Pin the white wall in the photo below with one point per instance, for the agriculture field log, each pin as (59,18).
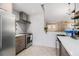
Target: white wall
(6,6)
(20,28)
(39,36)
(16,13)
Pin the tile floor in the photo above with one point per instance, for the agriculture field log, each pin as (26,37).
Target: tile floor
(38,51)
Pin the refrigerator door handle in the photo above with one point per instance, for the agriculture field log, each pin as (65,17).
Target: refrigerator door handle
(0,32)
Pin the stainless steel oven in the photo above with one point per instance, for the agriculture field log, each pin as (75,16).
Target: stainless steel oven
(29,39)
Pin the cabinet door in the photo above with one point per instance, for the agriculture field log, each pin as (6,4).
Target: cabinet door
(58,47)
(63,51)
(20,43)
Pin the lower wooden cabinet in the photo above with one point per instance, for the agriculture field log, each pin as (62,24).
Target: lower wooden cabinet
(63,51)
(60,51)
(20,43)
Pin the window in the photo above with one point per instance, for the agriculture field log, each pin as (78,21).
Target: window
(52,27)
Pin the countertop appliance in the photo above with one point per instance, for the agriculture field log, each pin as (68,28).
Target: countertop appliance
(70,32)
(7,33)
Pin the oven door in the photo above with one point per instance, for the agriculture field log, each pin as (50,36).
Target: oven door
(28,40)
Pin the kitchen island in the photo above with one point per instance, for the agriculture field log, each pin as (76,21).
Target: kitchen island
(70,44)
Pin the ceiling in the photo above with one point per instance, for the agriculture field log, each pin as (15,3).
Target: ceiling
(29,8)
(57,12)
(53,11)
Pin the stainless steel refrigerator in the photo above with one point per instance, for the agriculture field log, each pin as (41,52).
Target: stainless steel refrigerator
(7,33)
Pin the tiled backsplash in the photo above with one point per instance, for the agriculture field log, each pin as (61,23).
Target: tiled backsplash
(20,28)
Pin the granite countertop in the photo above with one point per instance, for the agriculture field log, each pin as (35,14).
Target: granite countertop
(70,44)
(19,35)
